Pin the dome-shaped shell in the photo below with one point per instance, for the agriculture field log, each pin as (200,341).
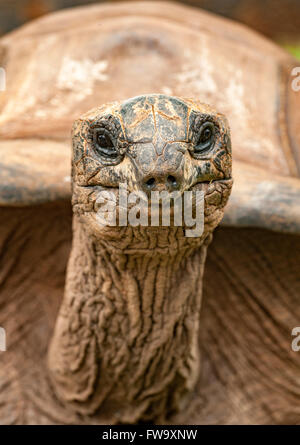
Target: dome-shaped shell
(64,64)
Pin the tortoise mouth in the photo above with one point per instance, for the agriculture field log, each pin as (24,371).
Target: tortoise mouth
(94,194)
(117,207)
(100,187)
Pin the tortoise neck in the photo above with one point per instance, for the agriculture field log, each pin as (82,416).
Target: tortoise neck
(125,346)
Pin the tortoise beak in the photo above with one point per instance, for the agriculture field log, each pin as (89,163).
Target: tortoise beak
(160,172)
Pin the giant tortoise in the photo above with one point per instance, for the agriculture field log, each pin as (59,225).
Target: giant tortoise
(122,344)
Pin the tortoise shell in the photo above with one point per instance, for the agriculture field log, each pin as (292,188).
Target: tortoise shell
(66,63)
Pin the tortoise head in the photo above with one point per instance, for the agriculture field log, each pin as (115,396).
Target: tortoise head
(152,143)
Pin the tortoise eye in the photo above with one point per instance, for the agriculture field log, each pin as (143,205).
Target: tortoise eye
(205,137)
(104,144)
(104,141)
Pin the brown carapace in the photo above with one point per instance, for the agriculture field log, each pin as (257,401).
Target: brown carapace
(126,340)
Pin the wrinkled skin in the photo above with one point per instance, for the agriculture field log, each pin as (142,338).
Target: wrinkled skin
(125,346)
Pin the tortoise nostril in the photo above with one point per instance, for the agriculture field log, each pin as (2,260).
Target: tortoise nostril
(150,183)
(172,181)
(161,182)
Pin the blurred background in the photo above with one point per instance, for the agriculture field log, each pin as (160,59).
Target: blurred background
(277,19)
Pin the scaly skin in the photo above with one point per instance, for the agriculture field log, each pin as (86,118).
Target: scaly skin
(125,347)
